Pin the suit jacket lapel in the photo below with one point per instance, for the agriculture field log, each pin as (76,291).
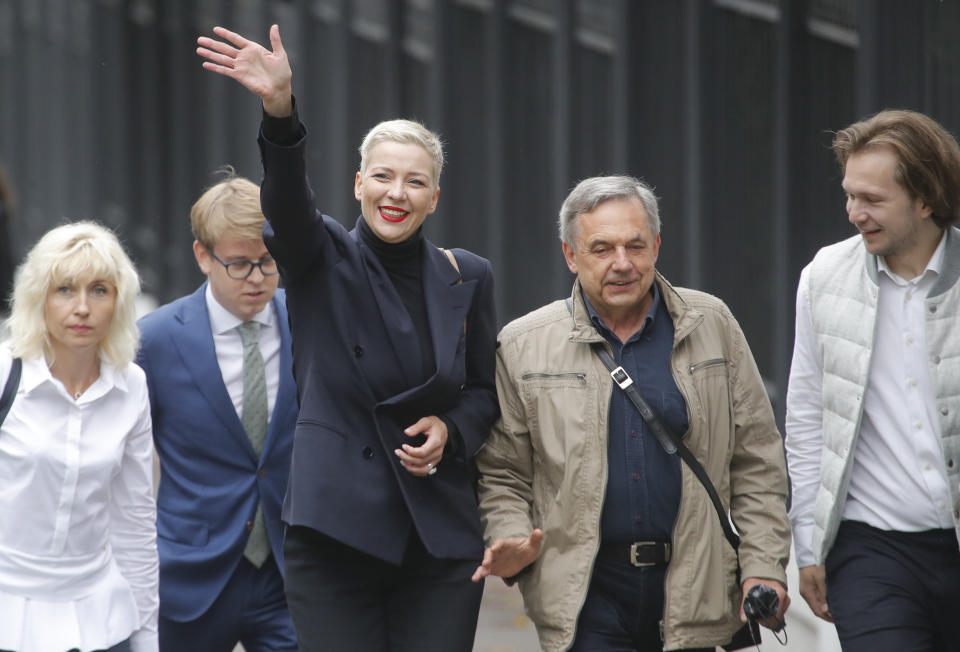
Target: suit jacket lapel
(448,302)
(194,343)
(393,315)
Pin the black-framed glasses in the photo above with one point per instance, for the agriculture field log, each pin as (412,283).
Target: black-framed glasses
(241,269)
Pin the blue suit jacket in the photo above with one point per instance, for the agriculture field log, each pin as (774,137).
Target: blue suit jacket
(211,479)
(355,352)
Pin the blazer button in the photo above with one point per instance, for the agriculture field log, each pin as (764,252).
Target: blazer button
(249,525)
(358,351)
(261,473)
(367,452)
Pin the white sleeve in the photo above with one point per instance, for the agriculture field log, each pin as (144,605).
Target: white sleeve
(804,419)
(133,526)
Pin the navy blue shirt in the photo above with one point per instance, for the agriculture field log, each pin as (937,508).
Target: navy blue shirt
(643,481)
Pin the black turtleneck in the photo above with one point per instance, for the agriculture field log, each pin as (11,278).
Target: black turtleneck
(403,262)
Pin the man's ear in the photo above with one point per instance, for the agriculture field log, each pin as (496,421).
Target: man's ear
(203,257)
(568,256)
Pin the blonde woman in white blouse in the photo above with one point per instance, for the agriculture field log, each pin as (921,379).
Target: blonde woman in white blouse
(78,554)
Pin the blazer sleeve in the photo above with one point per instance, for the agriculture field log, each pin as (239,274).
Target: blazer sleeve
(477,408)
(295,231)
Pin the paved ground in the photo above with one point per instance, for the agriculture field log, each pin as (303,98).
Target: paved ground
(503,627)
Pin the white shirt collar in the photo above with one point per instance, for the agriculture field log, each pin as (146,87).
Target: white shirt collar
(36,372)
(222,320)
(935,264)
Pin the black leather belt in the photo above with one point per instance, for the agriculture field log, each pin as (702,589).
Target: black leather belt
(639,553)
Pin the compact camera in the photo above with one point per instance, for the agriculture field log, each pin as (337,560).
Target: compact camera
(761,603)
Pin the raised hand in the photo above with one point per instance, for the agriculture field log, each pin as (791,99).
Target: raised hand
(264,73)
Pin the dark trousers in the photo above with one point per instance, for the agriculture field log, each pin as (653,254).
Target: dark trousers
(343,599)
(251,610)
(894,591)
(623,609)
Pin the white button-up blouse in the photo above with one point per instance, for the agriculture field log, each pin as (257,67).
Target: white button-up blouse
(78,548)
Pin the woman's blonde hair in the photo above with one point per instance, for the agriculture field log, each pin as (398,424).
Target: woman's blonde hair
(408,132)
(69,254)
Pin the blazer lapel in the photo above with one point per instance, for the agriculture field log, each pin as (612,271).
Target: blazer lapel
(448,298)
(194,343)
(393,314)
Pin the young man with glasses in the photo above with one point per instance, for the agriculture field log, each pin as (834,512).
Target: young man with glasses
(218,365)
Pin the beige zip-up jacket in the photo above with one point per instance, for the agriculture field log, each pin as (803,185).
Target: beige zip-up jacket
(545,465)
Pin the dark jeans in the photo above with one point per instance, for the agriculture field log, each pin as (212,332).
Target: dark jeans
(894,591)
(343,599)
(623,610)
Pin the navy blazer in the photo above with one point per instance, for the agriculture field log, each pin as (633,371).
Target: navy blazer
(354,354)
(211,480)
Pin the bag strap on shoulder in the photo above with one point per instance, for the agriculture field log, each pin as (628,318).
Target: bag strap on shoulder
(10,389)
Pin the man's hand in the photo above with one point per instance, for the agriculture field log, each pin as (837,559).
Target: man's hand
(507,557)
(776,622)
(420,460)
(264,73)
(813,588)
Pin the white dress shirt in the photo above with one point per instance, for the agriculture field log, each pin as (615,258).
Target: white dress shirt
(78,553)
(229,347)
(897,481)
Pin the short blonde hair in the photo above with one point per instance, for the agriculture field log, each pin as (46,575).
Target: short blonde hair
(230,206)
(66,255)
(407,132)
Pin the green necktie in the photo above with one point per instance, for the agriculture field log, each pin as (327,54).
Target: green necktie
(254,421)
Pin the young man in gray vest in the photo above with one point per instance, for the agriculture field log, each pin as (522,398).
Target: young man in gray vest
(873,405)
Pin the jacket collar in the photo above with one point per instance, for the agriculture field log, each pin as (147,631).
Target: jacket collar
(949,273)
(685,319)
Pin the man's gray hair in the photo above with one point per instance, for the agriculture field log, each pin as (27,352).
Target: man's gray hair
(591,192)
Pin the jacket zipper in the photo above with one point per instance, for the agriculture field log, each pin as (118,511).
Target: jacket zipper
(578,376)
(716,362)
(673,532)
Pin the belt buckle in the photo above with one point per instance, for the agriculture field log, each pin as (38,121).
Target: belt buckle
(640,564)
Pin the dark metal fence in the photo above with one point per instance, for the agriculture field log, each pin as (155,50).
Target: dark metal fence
(726,106)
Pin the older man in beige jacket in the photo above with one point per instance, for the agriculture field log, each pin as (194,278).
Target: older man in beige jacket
(614,541)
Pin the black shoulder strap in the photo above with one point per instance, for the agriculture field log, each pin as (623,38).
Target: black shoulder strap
(667,438)
(10,389)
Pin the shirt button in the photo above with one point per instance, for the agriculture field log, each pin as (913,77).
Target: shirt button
(918,425)
(358,351)
(636,476)
(633,433)
(261,473)
(638,519)
(926,467)
(367,452)
(909,339)
(249,525)
(913,382)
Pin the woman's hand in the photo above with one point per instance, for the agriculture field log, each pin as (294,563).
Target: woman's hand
(423,460)
(264,73)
